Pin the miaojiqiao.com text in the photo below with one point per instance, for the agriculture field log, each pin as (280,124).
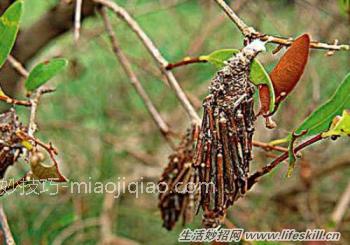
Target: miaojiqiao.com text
(118,187)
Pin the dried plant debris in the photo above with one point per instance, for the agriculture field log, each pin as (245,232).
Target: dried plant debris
(223,152)
(179,190)
(10,144)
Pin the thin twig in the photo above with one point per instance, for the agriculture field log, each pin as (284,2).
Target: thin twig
(154,51)
(269,147)
(34,102)
(185,61)
(24,73)
(5,227)
(243,27)
(12,101)
(18,66)
(48,147)
(106,218)
(124,61)
(342,206)
(77,20)
(250,32)
(268,168)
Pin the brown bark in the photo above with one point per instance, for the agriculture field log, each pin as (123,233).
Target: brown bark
(31,40)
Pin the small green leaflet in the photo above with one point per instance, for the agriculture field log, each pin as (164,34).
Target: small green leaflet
(258,74)
(218,57)
(340,126)
(43,72)
(9,25)
(321,118)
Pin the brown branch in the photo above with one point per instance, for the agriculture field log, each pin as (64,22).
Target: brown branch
(269,147)
(126,65)
(5,227)
(34,101)
(254,178)
(342,206)
(250,32)
(48,147)
(77,19)
(18,66)
(154,51)
(185,61)
(106,218)
(243,27)
(12,101)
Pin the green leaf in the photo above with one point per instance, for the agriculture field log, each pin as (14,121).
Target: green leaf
(258,74)
(321,118)
(218,57)
(9,25)
(43,72)
(340,126)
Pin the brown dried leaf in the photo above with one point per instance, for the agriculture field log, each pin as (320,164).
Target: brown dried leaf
(43,172)
(264,97)
(289,69)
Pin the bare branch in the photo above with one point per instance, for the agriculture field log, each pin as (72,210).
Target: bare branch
(342,206)
(18,66)
(250,32)
(243,27)
(34,103)
(77,19)
(269,147)
(24,73)
(153,50)
(12,101)
(185,61)
(124,61)
(5,227)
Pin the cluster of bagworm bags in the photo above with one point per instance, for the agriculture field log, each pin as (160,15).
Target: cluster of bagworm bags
(222,154)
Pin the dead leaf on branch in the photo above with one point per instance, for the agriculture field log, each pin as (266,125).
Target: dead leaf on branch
(45,172)
(290,68)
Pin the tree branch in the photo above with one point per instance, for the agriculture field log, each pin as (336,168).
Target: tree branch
(18,66)
(342,206)
(5,227)
(250,32)
(126,65)
(77,19)
(154,51)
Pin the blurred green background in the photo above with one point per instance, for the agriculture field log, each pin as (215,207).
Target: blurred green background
(102,129)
